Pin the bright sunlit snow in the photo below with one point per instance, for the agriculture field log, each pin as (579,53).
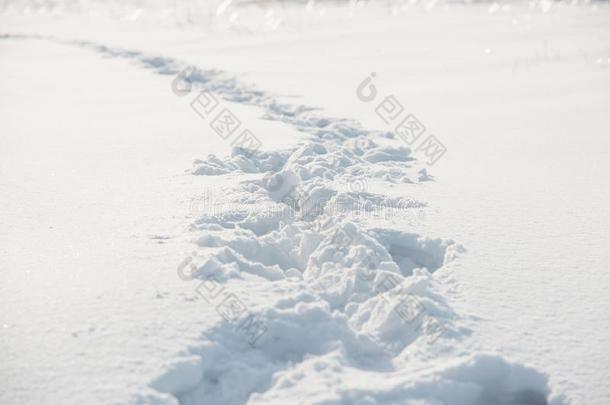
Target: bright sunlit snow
(316,202)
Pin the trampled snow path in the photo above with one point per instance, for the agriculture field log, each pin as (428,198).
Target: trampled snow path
(342,298)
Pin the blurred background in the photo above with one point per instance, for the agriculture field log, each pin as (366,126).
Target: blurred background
(264,15)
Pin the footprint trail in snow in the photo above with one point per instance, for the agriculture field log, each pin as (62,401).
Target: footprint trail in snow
(350,301)
(348,311)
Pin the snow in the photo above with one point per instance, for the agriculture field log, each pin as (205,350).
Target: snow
(152,254)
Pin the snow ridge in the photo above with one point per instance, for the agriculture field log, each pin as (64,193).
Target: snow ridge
(353,299)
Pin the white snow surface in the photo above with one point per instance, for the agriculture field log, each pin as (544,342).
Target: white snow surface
(144,259)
